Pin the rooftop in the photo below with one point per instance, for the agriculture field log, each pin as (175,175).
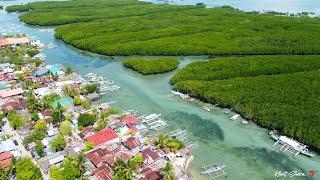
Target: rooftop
(11,92)
(14,41)
(102,137)
(103,173)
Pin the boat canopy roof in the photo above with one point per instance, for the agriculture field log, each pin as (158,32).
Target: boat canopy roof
(290,141)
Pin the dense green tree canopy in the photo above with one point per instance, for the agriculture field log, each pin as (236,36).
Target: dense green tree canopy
(26,170)
(86,120)
(169,144)
(278,92)
(69,169)
(151,66)
(65,128)
(15,119)
(90,88)
(130,27)
(58,143)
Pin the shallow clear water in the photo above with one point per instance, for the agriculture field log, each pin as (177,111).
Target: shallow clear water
(246,150)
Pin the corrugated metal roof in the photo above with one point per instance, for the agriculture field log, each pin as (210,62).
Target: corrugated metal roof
(102,136)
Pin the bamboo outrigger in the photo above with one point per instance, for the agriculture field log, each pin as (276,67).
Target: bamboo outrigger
(213,170)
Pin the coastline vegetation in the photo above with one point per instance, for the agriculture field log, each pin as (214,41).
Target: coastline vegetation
(17,8)
(151,66)
(278,92)
(130,27)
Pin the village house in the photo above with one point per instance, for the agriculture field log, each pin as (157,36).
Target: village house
(108,155)
(151,155)
(133,144)
(15,103)
(149,173)
(107,135)
(11,93)
(103,172)
(5,159)
(14,41)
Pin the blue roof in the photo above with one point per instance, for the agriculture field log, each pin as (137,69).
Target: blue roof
(41,72)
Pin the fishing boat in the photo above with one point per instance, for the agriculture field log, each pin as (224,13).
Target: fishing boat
(90,75)
(213,170)
(150,117)
(291,146)
(244,122)
(181,95)
(235,117)
(206,108)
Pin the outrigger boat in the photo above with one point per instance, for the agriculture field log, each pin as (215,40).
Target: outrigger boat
(289,145)
(213,170)
(206,108)
(181,95)
(235,117)
(150,117)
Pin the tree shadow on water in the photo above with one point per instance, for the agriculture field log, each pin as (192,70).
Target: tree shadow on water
(203,129)
(261,158)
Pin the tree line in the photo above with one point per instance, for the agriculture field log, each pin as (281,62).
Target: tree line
(151,66)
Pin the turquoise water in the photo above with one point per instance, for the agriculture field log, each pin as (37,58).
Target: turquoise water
(292,6)
(246,150)
(65,101)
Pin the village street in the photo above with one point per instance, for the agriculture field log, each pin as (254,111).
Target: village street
(7,129)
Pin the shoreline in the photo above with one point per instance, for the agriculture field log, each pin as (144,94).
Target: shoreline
(241,113)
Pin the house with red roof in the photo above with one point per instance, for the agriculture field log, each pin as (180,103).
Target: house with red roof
(131,120)
(85,132)
(17,104)
(151,155)
(150,174)
(126,126)
(103,172)
(133,144)
(5,159)
(107,135)
(3,77)
(108,155)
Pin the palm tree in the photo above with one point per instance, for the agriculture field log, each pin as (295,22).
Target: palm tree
(122,170)
(167,173)
(81,164)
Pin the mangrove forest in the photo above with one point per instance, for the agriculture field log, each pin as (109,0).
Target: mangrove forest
(279,92)
(151,66)
(130,27)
